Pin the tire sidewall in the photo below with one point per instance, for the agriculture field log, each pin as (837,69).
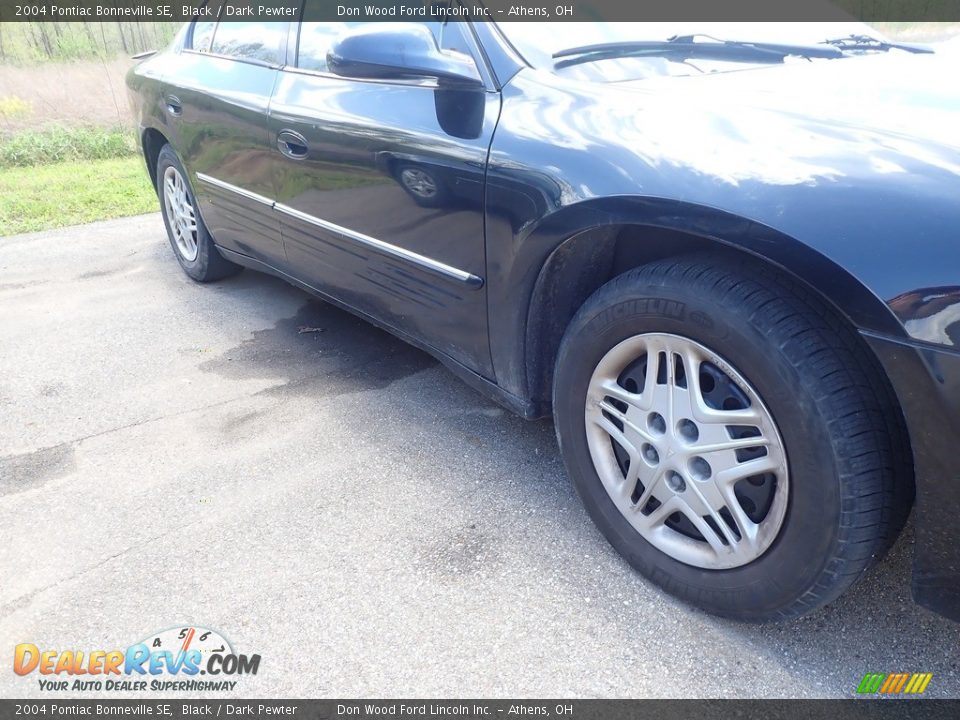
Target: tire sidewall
(795,560)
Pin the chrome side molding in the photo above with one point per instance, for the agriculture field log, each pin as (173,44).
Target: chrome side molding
(436,267)
(234,189)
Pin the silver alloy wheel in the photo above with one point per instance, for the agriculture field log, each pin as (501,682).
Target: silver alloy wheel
(682,443)
(180,213)
(418,182)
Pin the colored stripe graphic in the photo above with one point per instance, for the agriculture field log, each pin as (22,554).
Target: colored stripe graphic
(870,683)
(894,683)
(889,682)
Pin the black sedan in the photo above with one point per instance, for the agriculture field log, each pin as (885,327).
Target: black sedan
(729,267)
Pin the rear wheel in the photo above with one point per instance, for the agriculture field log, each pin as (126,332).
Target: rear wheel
(189,238)
(730,436)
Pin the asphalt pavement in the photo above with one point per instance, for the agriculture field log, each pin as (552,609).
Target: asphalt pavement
(242,457)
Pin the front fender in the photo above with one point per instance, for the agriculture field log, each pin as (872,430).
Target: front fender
(862,212)
(513,276)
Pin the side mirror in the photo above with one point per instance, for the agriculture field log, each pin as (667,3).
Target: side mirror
(399,51)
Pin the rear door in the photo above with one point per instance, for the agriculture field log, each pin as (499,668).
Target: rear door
(224,80)
(380,192)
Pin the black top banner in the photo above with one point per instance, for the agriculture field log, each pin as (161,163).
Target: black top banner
(498,10)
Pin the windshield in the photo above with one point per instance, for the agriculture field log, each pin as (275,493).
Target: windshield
(539,42)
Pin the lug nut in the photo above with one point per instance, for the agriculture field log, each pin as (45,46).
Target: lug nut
(700,469)
(656,423)
(688,430)
(650,454)
(676,482)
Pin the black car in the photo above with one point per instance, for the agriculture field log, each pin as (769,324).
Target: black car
(729,268)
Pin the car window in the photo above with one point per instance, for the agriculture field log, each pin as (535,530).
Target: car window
(202,32)
(451,36)
(316,38)
(248,40)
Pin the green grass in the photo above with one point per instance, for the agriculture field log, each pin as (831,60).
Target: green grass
(50,196)
(56,176)
(57,144)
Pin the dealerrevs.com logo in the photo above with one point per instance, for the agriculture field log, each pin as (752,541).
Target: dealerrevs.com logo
(189,659)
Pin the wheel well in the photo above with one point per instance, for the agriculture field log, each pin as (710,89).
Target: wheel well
(584,263)
(153,141)
(587,261)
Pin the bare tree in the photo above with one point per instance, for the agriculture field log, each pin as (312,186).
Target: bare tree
(123,38)
(45,39)
(93,41)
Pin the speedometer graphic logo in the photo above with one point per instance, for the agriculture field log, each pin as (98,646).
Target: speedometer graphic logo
(184,639)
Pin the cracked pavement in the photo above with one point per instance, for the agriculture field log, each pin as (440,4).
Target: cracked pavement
(337,502)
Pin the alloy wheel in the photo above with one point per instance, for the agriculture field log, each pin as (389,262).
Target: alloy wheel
(181,215)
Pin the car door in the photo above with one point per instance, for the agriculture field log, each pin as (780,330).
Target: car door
(380,192)
(218,108)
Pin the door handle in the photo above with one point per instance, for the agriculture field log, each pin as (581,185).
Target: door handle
(292,144)
(174,106)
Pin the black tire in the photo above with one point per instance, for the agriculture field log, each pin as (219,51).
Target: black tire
(209,265)
(850,470)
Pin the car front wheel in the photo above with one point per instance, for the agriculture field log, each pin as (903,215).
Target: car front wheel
(731,437)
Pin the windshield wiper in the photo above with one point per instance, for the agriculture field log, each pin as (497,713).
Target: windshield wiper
(855,43)
(685,47)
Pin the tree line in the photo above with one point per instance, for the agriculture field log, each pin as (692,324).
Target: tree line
(30,42)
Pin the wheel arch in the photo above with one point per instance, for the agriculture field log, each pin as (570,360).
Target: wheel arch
(152,141)
(590,256)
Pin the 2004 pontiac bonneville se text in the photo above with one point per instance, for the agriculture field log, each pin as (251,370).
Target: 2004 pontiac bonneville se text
(728,268)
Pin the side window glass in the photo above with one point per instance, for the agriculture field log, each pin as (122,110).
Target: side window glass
(451,37)
(248,40)
(316,39)
(203,29)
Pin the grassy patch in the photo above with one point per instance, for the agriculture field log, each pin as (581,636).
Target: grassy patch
(50,196)
(61,144)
